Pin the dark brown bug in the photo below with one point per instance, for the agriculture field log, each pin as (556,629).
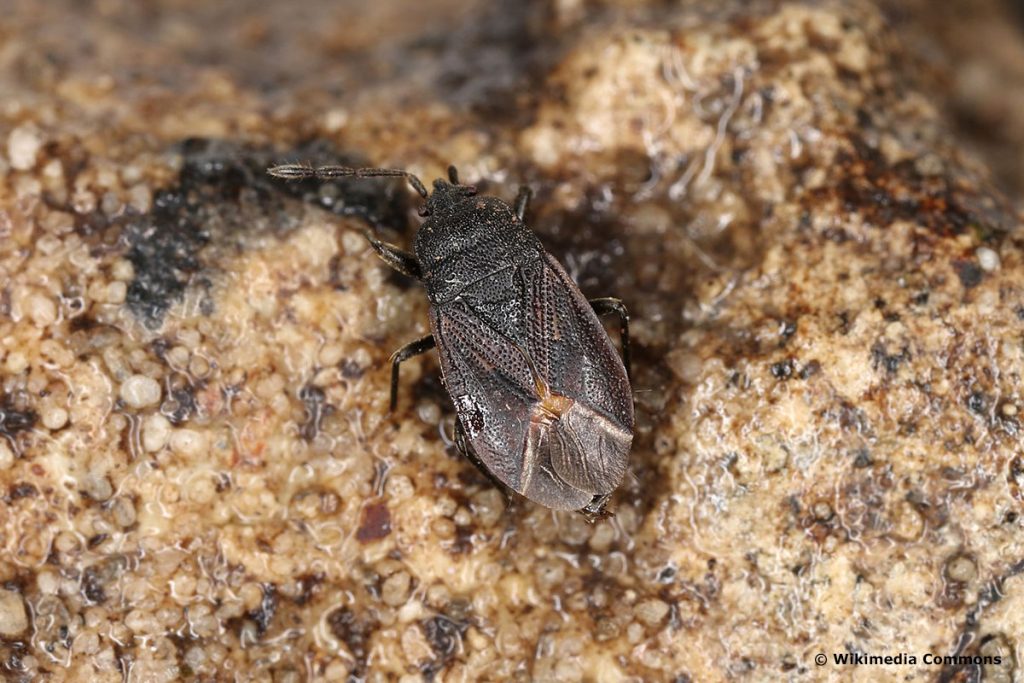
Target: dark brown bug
(543,400)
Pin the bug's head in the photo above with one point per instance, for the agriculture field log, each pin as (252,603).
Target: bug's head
(447,193)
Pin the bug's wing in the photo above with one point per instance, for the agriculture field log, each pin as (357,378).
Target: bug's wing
(495,397)
(589,451)
(589,444)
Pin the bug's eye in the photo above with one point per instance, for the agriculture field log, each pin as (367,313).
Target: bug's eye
(470,190)
(423,211)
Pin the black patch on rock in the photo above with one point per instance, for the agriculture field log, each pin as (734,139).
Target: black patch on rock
(355,632)
(14,418)
(263,614)
(445,636)
(223,193)
(970,273)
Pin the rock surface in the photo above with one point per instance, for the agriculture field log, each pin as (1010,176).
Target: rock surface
(200,477)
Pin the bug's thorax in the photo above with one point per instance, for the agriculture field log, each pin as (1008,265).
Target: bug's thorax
(467,237)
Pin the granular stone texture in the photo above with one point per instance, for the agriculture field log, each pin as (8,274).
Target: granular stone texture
(200,478)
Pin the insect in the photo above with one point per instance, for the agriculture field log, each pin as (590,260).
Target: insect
(543,400)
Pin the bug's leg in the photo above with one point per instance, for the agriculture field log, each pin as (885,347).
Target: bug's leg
(608,305)
(397,258)
(463,446)
(595,510)
(523,201)
(303,171)
(453,175)
(403,354)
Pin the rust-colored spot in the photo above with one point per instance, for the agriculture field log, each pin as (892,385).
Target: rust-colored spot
(376,523)
(551,408)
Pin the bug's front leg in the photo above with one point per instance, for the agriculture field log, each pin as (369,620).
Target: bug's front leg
(397,258)
(606,305)
(403,354)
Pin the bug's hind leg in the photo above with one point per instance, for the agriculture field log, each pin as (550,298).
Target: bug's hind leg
(403,354)
(463,446)
(595,510)
(523,201)
(607,305)
(399,259)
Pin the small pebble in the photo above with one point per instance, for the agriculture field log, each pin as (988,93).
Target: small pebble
(961,569)
(13,619)
(331,354)
(822,511)
(395,590)
(156,431)
(97,487)
(198,366)
(42,310)
(140,198)
(23,147)
(122,270)
(188,442)
(54,418)
(110,204)
(651,611)
(6,456)
(399,487)
(17,362)
(429,412)
(988,259)
(139,391)
(116,292)
(122,510)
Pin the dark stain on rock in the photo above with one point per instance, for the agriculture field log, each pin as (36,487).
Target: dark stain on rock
(463,541)
(445,637)
(308,585)
(883,193)
(180,405)
(890,362)
(977,403)
(263,614)
(96,578)
(20,490)
(810,369)
(783,369)
(355,632)
(92,586)
(492,57)
(15,418)
(1015,478)
(222,194)
(969,272)
(375,524)
(163,247)
(351,370)
(314,400)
